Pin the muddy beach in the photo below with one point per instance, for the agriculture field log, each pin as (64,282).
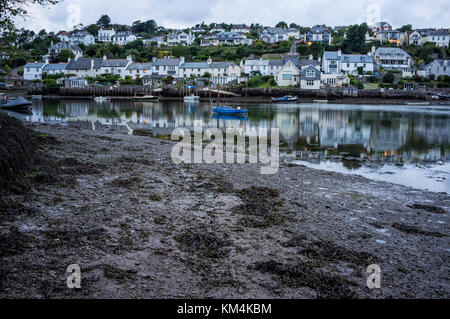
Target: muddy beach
(141,226)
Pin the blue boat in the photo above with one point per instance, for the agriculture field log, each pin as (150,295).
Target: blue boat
(285,99)
(239,117)
(226,110)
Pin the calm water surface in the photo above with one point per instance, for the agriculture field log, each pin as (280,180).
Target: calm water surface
(400,144)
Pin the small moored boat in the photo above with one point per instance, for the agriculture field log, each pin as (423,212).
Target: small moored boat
(227,110)
(101,99)
(19,103)
(192,98)
(285,99)
(146,98)
(417,103)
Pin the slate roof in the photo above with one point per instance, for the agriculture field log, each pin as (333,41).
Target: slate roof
(84,64)
(222,65)
(139,66)
(194,65)
(55,66)
(319,29)
(391,52)
(114,63)
(166,62)
(34,65)
(65,45)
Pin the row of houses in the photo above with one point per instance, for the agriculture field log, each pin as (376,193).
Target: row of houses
(104,35)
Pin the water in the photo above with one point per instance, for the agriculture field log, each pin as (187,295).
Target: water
(407,145)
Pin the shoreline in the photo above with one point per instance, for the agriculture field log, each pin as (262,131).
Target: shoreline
(258,100)
(141,226)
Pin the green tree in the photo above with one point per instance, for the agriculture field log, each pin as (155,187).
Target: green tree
(282,25)
(104,21)
(406,27)
(65,54)
(11,9)
(355,42)
(388,77)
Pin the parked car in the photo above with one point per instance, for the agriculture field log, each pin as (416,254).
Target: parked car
(3,84)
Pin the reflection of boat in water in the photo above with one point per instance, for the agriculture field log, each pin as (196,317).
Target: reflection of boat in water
(101,99)
(229,117)
(146,98)
(16,104)
(417,103)
(192,98)
(227,110)
(285,99)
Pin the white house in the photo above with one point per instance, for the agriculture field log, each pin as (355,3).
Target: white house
(414,37)
(82,37)
(215,69)
(254,65)
(83,67)
(197,30)
(63,36)
(440,37)
(391,58)
(273,35)
(166,66)
(138,70)
(334,62)
(176,38)
(123,37)
(33,71)
(302,73)
(380,26)
(225,38)
(240,28)
(310,75)
(293,33)
(105,35)
(437,68)
(55,68)
(55,49)
(158,40)
(115,66)
(217,28)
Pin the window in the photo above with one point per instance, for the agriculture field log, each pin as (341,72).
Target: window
(310,73)
(348,65)
(309,82)
(287,76)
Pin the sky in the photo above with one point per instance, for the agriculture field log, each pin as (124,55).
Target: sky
(187,13)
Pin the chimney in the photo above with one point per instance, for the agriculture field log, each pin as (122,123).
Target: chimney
(104,57)
(130,58)
(68,60)
(339,53)
(310,56)
(182,60)
(154,59)
(92,64)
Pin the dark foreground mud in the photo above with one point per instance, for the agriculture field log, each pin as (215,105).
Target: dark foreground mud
(141,226)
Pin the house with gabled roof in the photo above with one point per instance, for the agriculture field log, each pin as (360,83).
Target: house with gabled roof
(254,65)
(334,62)
(55,49)
(83,67)
(105,35)
(273,35)
(123,37)
(63,36)
(380,26)
(391,58)
(55,68)
(138,70)
(240,28)
(115,66)
(318,33)
(440,37)
(302,73)
(82,37)
(437,67)
(166,66)
(33,71)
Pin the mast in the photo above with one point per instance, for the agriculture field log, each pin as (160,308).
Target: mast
(218,90)
(246,92)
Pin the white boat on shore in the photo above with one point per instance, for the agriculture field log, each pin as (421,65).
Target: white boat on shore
(101,99)
(192,98)
(417,103)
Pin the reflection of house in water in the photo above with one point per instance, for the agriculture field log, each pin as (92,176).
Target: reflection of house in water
(416,135)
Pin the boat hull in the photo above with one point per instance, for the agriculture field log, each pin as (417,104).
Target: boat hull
(228,111)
